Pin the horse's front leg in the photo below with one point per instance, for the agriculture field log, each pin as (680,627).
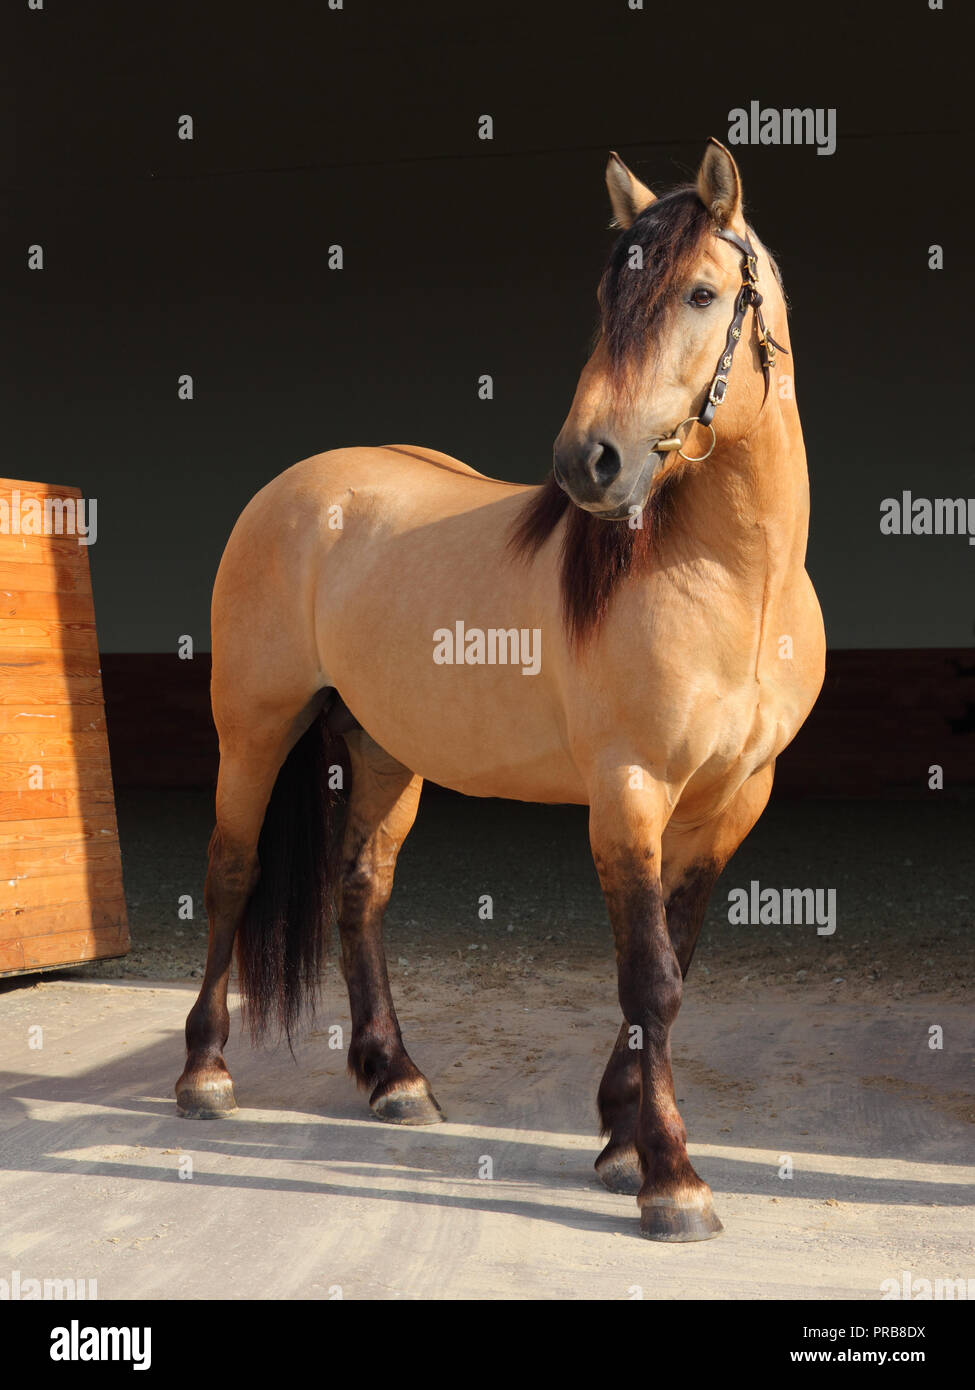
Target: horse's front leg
(625,831)
(685,904)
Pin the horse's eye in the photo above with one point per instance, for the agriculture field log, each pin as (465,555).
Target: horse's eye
(701,298)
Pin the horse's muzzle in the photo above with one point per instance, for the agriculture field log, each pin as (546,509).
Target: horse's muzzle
(597,476)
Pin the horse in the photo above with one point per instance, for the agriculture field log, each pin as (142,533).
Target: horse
(662,566)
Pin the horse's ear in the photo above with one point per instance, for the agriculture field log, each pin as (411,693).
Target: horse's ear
(719,184)
(626,193)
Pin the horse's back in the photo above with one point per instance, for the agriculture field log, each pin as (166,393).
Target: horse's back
(425,479)
(346,500)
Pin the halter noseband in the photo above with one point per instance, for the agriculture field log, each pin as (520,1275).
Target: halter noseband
(748,296)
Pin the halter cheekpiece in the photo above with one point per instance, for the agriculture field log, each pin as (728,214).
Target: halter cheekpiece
(748,297)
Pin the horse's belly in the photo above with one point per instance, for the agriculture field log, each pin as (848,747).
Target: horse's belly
(430,674)
(466,728)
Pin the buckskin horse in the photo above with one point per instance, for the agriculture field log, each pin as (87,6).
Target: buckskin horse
(663,563)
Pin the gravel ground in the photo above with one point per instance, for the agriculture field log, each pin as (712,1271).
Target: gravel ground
(902,871)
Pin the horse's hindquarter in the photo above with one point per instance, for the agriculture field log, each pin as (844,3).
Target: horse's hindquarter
(446,648)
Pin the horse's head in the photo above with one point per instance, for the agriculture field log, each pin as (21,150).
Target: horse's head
(668,300)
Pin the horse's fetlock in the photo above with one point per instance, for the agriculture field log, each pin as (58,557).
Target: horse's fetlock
(373,1049)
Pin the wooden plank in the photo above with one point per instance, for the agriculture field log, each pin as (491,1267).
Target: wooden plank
(28,488)
(68,774)
(25,664)
(51,690)
(34,928)
(65,917)
(100,881)
(43,552)
(35,603)
(25,834)
(18,634)
(36,805)
(80,913)
(57,859)
(51,719)
(41,919)
(45,549)
(41,747)
(67,948)
(62,577)
(50,804)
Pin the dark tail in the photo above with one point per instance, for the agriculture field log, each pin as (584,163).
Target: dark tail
(282,939)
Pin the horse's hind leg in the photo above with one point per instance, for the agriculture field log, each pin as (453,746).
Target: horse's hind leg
(249,765)
(692,862)
(383,802)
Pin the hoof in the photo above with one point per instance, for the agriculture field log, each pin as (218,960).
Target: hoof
(206,1100)
(407,1105)
(664,1218)
(619,1170)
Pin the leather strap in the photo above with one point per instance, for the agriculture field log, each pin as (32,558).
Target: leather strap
(748,297)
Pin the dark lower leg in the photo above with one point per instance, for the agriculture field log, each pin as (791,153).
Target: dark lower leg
(619,1093)
(618,1101)
(675,1203)
(205,1090)
(385,796)
(687,903)
(246,777)
(399,1092)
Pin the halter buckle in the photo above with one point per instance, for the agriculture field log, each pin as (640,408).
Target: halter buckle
(767,346)
(749,270)
(716,395)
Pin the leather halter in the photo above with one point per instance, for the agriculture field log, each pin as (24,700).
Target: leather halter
(748,297)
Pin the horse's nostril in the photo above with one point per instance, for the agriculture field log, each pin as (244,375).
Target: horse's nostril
(605,463)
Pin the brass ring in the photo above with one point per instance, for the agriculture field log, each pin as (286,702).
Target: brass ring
(698,458)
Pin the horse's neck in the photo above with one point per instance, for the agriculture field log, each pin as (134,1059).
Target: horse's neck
(747,508)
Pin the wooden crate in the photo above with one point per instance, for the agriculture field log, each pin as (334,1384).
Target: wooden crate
(61,898)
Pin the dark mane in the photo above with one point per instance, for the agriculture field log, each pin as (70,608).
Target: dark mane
(597,555)
(636,304)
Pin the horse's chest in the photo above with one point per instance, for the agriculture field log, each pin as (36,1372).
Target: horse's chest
(768,731)
(743,731)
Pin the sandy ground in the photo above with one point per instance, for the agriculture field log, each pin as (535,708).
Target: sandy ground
(303,1191)
(789,1045)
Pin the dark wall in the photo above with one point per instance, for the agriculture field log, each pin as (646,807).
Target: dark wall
(462,257)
